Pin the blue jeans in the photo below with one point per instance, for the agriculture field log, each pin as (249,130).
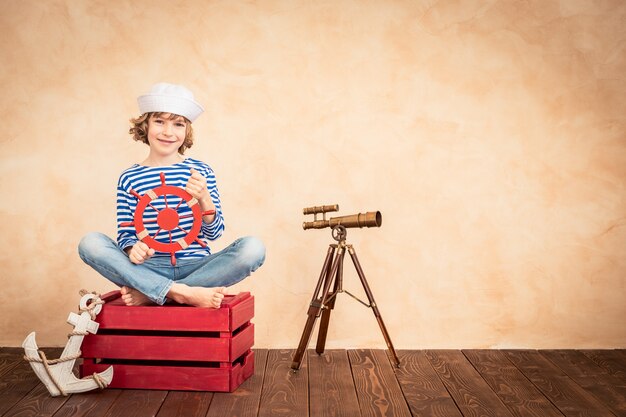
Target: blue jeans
(155,276)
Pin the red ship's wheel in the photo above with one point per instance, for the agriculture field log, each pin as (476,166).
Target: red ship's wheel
(168,219)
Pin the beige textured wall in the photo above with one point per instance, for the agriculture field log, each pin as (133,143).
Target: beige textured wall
(490,134)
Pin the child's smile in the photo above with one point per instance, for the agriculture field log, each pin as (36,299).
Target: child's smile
(166,133)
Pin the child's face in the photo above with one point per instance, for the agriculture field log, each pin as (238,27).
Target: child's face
(166,133)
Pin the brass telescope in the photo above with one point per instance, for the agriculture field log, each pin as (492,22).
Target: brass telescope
(330,282)
(369,219)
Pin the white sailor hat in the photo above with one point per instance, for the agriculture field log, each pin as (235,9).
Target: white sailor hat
(170,98)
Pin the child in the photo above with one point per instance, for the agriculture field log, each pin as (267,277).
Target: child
(147,276)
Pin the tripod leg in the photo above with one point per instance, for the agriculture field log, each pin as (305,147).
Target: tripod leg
(370,297)
(317,303)
(330,305)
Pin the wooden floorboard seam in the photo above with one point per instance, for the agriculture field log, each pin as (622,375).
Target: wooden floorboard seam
(258,411)
(307,355)
(447,390)
(506,406)
(353,380)
(395,371)
(576,383)
(535,385)
(604,387)
(557,386)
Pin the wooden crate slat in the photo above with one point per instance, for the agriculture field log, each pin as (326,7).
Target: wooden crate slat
(285,393)
(471,393)
(241,372)
(245,400)
(377,389)
(172,348)
(514,389)
(570,398)
(116,315)
(241,342)
(156,348)
(423,390)
(182,378)
(241,309)
(331,388)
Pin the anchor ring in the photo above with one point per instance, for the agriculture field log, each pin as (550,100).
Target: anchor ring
(84,302)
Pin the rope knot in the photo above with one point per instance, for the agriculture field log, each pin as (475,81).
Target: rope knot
(94,303)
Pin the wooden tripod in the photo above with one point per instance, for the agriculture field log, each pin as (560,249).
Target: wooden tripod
(324,299)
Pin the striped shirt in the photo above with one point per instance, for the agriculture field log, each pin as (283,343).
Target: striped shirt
(142,179)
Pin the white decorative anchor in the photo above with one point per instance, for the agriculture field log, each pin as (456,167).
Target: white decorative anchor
(57,374)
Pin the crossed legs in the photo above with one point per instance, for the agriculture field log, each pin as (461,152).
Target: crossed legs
(198,282)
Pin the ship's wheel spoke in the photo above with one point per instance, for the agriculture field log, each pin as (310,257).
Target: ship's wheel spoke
(153,208)
(157,232)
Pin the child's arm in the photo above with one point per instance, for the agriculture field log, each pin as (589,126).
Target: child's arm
(136,250)
(197,187)
(203,187)
(126,235)
(127,240)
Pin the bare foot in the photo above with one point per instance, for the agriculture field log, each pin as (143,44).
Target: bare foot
(132,297)
(197,296)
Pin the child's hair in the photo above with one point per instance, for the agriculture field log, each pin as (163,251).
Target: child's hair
(139,129)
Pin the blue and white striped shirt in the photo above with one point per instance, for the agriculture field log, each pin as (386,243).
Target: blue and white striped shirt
(141,179)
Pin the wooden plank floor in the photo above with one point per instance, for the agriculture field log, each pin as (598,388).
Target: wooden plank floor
(362,382)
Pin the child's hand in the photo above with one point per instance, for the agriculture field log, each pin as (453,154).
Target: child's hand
(196,186)
(140,252)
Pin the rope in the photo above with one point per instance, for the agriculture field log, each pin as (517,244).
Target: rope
(99,380)
(97,301)
(46,362)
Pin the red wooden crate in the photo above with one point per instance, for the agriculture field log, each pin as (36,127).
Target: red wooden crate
(173,347)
